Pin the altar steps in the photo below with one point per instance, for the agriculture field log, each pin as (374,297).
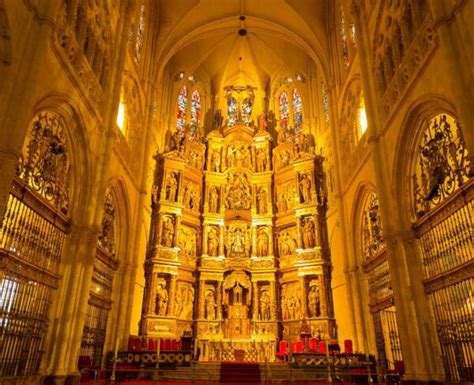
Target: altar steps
(240,373)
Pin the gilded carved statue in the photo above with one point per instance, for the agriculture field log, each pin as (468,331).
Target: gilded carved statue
(210,305)
(286,243)
(238,195)
(213,199)
(184,300)
(261,159)
(291,301)
(305,188)
(215,161)
(161,300)
(264,305)
(171,187)
(308,233)
(212,242)
(262,201)
(168,232)
(313,300)
(262,243)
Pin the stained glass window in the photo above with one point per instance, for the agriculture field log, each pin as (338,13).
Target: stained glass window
(232,107)
(345,48)
(140,34)
(325,102)
(247,106)
(181,113)
(297,111)
(284,110)
(195,110)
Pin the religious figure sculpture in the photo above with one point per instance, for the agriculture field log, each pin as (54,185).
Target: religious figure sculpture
(238,241)
(230,157)
(213,199)
(215,161)
(305,188)
(161,300)
(262,201)
(212,242)
(168,232)
(194,198)
(218,120)
(262,243)
(187,195)
(308,234)
(238,192)
(210,306)
(282,206)
(171,187)
(264,306)
(313,301)
(261,160)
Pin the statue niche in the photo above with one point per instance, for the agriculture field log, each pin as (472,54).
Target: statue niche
(237,239)
(237,295)
(238,195)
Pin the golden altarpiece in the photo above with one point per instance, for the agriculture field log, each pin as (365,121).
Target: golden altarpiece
(238,252)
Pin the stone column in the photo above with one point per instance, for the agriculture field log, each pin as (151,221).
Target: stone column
(323,295)
(159,230)
(417,331)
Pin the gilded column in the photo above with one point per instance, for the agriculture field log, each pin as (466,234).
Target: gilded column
(304,306)
(219,301)
(176,229)
(221,240)
(172,296)
(299,239)
(201,299)
(204,239)
(273,304)
(270,241)
(255,301)
(254,240)
(323,295)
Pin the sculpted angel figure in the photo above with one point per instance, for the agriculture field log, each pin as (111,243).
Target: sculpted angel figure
(212,242)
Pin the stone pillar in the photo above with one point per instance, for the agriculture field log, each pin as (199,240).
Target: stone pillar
(323,295)
(417,331)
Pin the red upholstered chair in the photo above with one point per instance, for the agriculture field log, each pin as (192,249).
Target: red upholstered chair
(179,345)
(322,347)
(292,347)
(299,347)
(348,347)
(313,345)
(131,343)
(282,350)
(162,344)
(168,345)
(144,344)
(137,344)
(174,345)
